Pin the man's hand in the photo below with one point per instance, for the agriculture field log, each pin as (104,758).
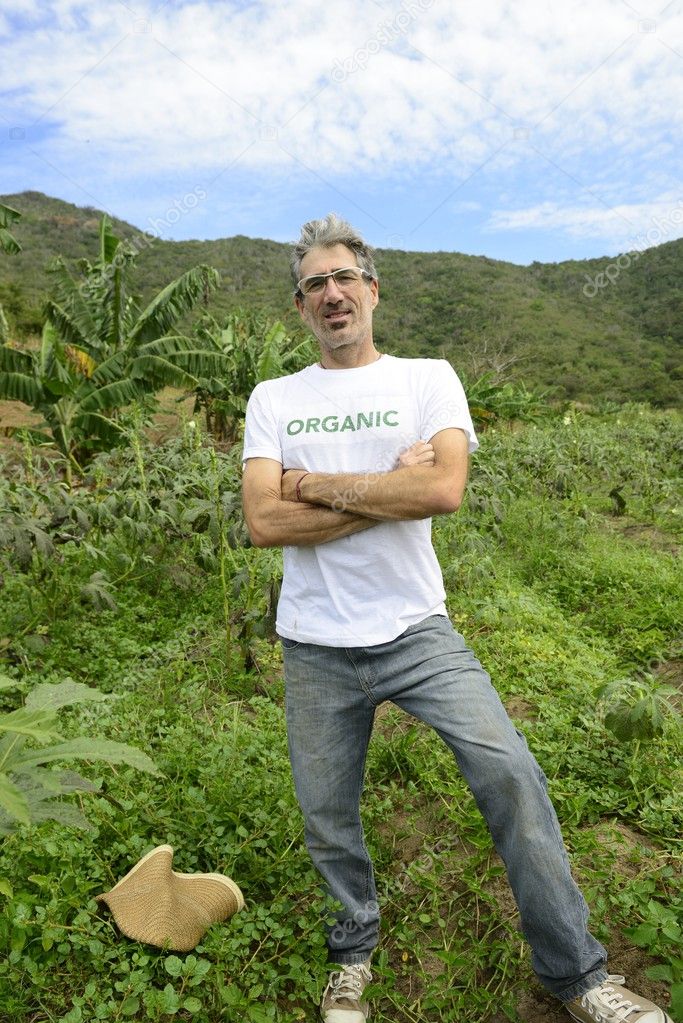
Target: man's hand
(430,483)
(419,453)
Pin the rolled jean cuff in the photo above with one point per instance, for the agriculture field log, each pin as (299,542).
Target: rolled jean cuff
(580,987)
(348,958)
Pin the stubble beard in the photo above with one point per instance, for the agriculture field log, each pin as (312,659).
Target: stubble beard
(332,339)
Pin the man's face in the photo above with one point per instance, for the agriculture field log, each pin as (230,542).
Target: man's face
(337,316)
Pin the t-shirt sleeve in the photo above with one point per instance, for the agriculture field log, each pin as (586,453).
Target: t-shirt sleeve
(444,404)
(261,437)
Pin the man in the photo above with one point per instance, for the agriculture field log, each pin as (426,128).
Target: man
(345,463)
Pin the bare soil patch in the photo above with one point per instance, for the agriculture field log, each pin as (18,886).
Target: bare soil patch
(643,533)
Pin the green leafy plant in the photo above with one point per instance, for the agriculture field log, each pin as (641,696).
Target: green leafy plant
(8,243)
(8,216)
(638,709)
(491,399)
(256,349)
(30,792)
(660,933)
(100,351)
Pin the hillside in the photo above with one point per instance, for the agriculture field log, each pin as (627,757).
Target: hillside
(624,343)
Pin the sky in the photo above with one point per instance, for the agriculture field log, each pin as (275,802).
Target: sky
(528,130)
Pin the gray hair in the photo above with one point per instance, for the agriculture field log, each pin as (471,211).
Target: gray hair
(325,233)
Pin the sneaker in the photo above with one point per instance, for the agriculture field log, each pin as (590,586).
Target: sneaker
(342,997)
(609,1002)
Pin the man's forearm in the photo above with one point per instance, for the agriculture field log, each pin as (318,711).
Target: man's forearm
(415,492)
(291,523)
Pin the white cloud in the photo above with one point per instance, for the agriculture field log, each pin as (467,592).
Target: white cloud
(355,91)
(214,73)
(626,225)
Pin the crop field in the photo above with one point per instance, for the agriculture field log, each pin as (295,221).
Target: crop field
(563,572)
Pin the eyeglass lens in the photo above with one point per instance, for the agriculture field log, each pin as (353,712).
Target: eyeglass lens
(344,277)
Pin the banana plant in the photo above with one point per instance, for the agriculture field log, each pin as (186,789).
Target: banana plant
(256,350)
(8,243)
(101,351)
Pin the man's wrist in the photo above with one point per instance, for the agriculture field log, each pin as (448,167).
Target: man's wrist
(298,486)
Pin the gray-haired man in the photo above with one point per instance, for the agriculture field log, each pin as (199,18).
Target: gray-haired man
(345,463)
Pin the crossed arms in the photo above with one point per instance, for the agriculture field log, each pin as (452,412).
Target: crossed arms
(429,480)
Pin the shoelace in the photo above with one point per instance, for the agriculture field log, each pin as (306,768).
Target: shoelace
(606,997)
(349,982)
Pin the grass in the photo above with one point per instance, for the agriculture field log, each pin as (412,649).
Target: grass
(556,598)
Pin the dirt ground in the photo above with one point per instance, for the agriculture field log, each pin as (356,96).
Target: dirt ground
(407,831)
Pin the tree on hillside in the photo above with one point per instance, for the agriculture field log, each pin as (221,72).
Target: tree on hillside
(100,351)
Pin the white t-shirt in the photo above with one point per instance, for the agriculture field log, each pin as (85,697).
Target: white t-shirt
(367,588)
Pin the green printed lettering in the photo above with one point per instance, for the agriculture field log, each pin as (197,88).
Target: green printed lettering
(334,424)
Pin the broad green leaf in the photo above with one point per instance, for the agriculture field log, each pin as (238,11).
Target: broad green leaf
(68,781)
(35,723)
(20,387)
(62,694)
(153,371)
(643,934)
(67,324)
(115,395)
(97,592)
(660,972)
(93,425)
(8,215)
(171,304)
(85,748)
(8,242)
(57,810)
(173,966)
(13,801)
(15,360)
(6,888)
(111,369)
(109,243)
(269,362)
(11,746)
(9,683)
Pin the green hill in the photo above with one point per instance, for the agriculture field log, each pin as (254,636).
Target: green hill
(543,323)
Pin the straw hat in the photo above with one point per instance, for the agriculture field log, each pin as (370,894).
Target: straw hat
(154,904)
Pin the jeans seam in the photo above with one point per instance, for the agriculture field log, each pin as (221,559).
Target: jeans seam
(361,681)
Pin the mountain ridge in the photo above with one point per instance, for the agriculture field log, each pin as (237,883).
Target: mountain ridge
(541,323)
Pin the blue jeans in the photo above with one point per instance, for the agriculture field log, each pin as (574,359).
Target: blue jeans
(428,671)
